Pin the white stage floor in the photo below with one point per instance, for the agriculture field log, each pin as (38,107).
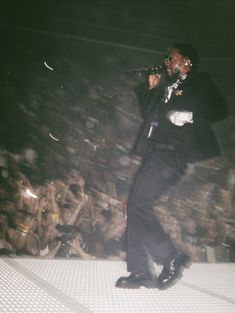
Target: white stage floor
(72,285)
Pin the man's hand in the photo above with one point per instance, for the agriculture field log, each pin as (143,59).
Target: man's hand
(154,80)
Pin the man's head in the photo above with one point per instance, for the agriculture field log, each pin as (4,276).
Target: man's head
(181,59)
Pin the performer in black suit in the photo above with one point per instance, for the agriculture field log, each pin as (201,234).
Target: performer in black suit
(179,106)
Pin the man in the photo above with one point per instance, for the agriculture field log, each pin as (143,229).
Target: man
(179,106)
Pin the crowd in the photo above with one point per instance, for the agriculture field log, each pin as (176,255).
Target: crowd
(70,218)
(60,219)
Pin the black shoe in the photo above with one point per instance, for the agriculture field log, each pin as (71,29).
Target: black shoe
(136,280)
(172,270)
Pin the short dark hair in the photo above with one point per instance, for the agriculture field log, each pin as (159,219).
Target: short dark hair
(188,51)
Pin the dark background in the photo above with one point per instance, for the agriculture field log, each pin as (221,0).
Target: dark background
(90,46)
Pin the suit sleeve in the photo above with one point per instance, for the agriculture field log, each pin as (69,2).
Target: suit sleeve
(209,102)
(147,99)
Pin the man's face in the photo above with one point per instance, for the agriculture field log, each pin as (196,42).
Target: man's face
(176,63)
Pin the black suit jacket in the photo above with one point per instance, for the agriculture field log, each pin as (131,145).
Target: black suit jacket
(192,141)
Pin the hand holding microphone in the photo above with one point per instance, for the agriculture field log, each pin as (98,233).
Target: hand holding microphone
(153,80)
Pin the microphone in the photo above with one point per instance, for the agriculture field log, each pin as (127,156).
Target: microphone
(148,70)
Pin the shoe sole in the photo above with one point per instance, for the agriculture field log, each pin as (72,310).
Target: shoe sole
(147,284)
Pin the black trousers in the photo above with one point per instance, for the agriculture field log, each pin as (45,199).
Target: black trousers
(146,238)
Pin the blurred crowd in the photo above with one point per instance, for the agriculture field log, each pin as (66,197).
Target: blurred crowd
(60,219)
(71,218)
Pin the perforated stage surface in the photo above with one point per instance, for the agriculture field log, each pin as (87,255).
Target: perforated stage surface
(72,285)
